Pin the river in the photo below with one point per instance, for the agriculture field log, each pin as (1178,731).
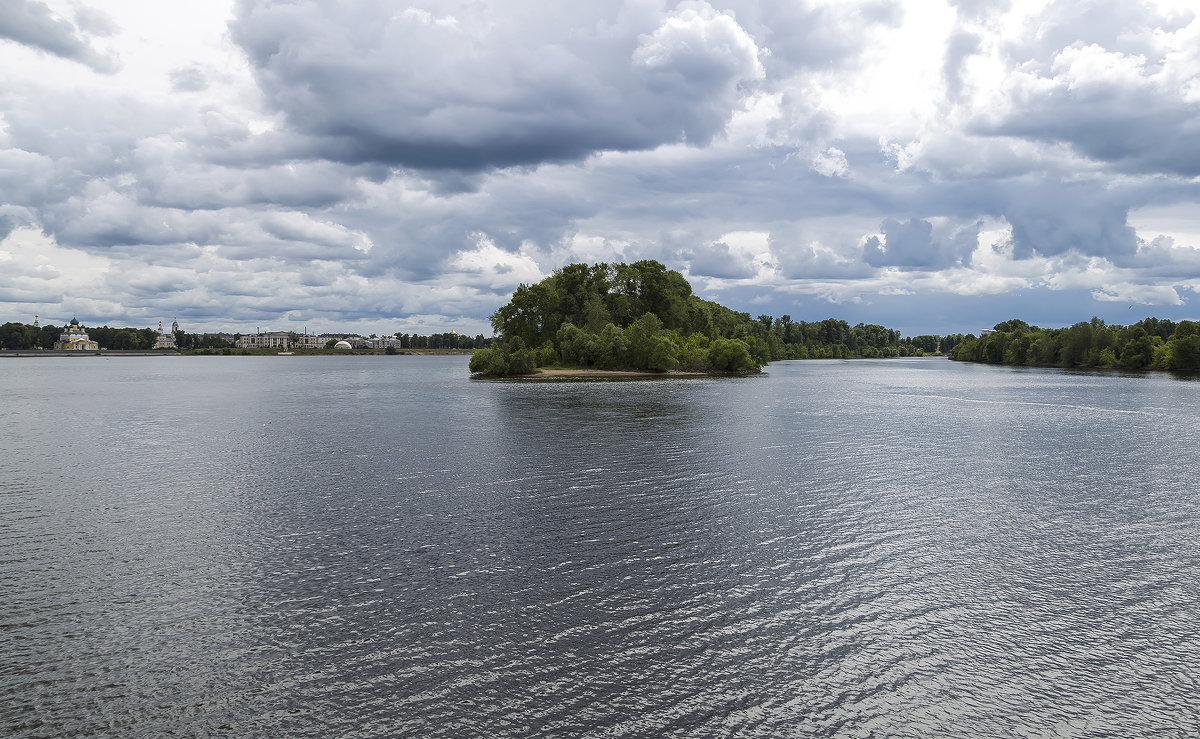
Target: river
(381,546)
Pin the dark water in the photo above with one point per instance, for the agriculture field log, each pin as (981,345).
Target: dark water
(378,546)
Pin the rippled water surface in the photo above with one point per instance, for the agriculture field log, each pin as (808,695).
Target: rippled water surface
(379,546)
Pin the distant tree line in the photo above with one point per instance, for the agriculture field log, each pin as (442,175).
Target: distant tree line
(23,336)
(442,341)
(27,336)
(644,316)
(184,340)
(1151,343)
(18,336)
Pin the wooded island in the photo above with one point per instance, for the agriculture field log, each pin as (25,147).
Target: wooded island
(642,316)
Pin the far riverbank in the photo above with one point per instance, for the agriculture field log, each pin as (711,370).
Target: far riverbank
(102,353)
(230,353)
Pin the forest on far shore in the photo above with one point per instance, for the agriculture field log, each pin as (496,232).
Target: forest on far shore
(1151,343)
(643,316)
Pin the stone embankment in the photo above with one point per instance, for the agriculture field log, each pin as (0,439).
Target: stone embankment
(101,353)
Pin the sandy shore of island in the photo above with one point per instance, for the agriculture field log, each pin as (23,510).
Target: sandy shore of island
(550,373)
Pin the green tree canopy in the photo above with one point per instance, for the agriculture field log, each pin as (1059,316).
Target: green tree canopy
(644,316)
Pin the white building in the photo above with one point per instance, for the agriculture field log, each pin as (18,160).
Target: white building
(281,340)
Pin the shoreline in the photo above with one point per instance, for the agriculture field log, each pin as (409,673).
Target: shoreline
(580,372)
(24,353)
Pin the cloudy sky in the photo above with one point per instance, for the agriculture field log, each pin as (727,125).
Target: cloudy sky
(384,166)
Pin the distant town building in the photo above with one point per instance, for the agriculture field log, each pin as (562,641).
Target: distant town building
(165,340)
(383,342)
(354,340)
(309,341)
(265,340)
(281,340)
(74,339)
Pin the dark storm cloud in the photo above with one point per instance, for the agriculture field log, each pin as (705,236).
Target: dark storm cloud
(1054,218)
(466,86)
(717,260)
(1048,217)
(31,23)
(317,240)
(912,245)
(417,245)
(1138,129)
(808,262)
(151,287)
(12,216)
(114,221)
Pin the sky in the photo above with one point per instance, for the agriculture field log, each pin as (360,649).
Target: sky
(383,167)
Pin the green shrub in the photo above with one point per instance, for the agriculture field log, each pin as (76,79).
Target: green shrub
(730,355)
